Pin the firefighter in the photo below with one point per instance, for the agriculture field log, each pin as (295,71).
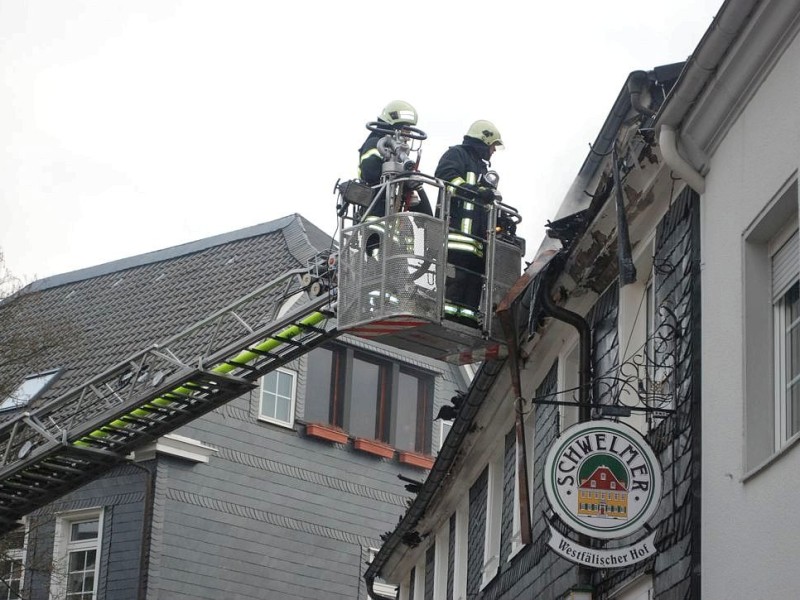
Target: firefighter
(395,115)
(463,166)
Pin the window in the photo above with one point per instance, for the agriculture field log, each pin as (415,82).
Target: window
(494,508)
(771,336)
(516,537)
(11,568)
(647,345)
(31,387)
(786,335)
(77,552)
(370,397)
(277,397)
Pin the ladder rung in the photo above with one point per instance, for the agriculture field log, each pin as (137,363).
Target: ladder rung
(65,468)
(45,478)
(11,498)
(22,486)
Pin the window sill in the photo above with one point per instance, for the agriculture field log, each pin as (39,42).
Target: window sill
(780,453)
(516,548)
(415,459)
(490,570)
(373,447)
(326,432)
(271,421)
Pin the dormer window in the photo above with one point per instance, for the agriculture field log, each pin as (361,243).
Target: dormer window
(31,388)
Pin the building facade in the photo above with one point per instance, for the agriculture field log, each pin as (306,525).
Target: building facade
(282,492)
(678,321)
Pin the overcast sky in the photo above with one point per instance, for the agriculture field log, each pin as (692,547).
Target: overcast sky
(130,126)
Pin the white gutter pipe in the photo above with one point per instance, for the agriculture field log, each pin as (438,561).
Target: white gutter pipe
(668,143)
(696,75)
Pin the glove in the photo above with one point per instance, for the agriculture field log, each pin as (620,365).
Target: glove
(486,194)
(482,194)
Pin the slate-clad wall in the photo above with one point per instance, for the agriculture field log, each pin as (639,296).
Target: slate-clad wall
(536,572)
(476,533)
(605,345)
(273,512)
(676,567)
(121,493)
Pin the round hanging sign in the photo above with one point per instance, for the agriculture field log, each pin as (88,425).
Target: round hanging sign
(603,479)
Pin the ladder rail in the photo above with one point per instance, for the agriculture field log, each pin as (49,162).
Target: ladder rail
(41,464)
(121,367)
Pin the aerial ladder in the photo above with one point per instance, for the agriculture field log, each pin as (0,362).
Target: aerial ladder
(386,282)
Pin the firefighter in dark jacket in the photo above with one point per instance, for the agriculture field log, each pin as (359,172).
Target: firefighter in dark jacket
(464,165)
(395,115)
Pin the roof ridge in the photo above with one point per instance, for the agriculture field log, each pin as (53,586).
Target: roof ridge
(163,254)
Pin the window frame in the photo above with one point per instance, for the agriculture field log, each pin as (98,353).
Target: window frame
(387,413)
(62,546)
(638,323)
(292,400)
(782,328)
(442,547)
(11,403)
(529,431)
(17,555)
(764,441)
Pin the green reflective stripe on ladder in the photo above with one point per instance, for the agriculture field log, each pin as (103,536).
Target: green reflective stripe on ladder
(244,356)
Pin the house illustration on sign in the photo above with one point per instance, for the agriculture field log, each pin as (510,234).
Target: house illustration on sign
(603,494)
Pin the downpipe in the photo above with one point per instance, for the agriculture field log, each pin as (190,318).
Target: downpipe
(584,376)
(668,143)
(585,341)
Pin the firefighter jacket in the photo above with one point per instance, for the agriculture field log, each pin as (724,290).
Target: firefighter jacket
(463,165)
(370,161)
(370,169)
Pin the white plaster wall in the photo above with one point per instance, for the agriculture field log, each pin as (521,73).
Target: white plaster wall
(750,529)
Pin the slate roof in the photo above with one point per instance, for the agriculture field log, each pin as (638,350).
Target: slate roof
(104,314)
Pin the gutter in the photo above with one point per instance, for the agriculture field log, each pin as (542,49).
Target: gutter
(700,69)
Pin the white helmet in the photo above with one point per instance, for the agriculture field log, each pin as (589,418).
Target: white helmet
(486,132)
(398,112)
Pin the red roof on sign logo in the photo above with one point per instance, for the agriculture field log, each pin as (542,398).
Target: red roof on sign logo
(603,478)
